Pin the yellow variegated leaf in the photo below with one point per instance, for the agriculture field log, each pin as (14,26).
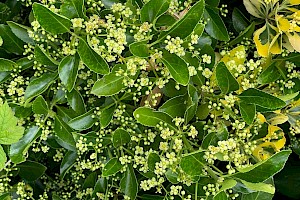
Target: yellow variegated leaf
(283,24)
(238,55)
(262,49)
(294,40)
(294,2)
(276,45)
(273,132)
(278,119)
(261,118)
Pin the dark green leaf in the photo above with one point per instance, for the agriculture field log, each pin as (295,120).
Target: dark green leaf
(149,117)
(11,43)
(175,107)
(185,26)
(262,99)
(39,85)
(208,50)
(92,60)
(18,150)
(271,74)
(215,26)
(67,163)
(108,85)
(30,170)
(221,196)
(120,137)
(129,184)
(21,31)
(40,106)
(109,3)
(139,49)
(192,164)
(43,57)
(248,112)
(76,102)
(153,158)
(83,122)
(73,8)
(106,116)
(164,21)
(240,22)
(265,169)
(177,67)
(192,104)
(247,33)
(225,79)
(100,186)
(153,9)
(6,65)
(67,70)
(90,181)
(112,167)
(64,134)
(51,21)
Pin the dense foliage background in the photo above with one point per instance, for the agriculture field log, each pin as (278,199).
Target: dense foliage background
(149,99)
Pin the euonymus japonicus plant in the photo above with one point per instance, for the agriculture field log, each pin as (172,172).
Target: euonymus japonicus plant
(147,99)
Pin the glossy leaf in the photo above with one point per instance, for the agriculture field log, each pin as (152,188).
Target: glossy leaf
(30,170)
(185,26)
(153,9)
(64,134)
(6,65)
(192,103)
(139,49)
(21,31)
(11,43)
(76,102)
(172,176)
(240,22)
(153,158)
(220,196)
(248,112)
(43,57)
(265,169)
(73,9)
(175,107)
(82,122)
(106,116)
(50,21)
(120,137)
(177,67)
(129,184)
(225,79)
(10,131)
(108,85)
(67,163)
(19,149)
(39,85)
(3,158)
(271,74)
(149,117)
(215,26)
(68,70)
(192,164)
(112,167)
(262,99)
(91,59)
(40,106)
